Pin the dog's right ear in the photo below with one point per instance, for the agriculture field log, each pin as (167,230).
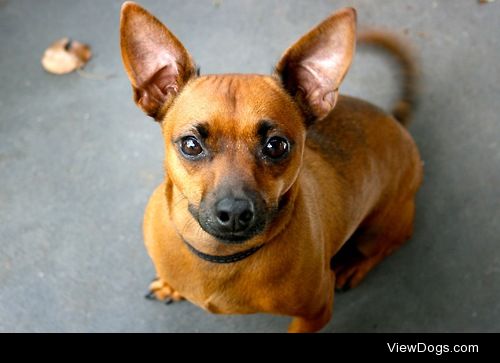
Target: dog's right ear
(157,64)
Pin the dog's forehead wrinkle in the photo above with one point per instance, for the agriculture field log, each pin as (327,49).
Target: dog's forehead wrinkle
(237,102)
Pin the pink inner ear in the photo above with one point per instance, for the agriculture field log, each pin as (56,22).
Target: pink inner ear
(151,53)
(155,71)
(317,88)
(314,67)
(156,62)
(153,93)
(151,57)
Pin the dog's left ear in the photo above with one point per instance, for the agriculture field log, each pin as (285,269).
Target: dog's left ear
(156,62)
(313,68)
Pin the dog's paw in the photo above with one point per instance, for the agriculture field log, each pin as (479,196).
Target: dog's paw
(348,276)
(350,272)
(160,290)
(350,267)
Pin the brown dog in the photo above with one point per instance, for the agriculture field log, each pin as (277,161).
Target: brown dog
(264,182)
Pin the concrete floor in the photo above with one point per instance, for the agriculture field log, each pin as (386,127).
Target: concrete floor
(78,161)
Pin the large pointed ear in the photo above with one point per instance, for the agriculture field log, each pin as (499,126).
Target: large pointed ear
(313,68)
(157,64)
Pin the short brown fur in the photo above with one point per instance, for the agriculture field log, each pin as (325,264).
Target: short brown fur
(340,202)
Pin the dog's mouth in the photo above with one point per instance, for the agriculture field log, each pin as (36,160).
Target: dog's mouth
(205,221)
(233,238)
(230,238)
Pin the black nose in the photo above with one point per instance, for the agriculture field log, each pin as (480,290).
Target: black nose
(234,215)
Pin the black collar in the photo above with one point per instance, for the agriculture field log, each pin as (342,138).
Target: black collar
(225,258)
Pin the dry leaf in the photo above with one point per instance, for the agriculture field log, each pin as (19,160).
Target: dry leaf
(65,55)
(486,1)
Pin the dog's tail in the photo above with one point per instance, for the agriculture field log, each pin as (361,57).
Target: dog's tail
(403,109)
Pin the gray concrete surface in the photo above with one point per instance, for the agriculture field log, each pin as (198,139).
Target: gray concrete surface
(78,161)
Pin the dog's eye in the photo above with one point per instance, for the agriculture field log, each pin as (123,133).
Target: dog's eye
(191,147)
(276,148)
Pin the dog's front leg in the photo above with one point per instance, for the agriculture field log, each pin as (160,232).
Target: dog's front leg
(317,318)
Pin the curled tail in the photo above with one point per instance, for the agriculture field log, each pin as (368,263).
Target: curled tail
(403,109)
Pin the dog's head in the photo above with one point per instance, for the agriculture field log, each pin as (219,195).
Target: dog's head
(234,143)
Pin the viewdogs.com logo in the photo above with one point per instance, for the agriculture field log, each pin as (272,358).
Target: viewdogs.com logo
(437,349)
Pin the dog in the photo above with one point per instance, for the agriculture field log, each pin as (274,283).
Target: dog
(277,189)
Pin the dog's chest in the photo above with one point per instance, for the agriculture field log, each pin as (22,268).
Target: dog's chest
(229,301)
